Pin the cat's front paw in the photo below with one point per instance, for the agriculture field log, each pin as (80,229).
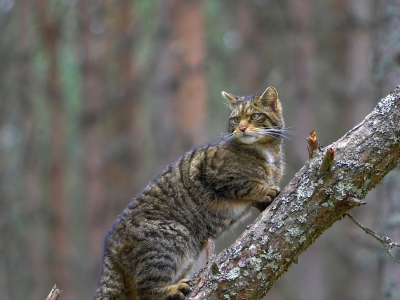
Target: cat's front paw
(270,194)
(179,291)
(273,191)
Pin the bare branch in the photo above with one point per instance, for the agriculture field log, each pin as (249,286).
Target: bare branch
(384,240)
(54,293)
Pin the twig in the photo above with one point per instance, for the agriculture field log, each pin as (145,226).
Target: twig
(384,240)
(54,293)
(312,143)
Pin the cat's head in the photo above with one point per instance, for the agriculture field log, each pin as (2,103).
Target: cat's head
(256,119)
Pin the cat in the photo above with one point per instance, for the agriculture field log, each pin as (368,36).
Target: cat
(152,246)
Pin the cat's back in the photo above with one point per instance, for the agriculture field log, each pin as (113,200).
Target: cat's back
(182,192)
(174,198)
(192,192)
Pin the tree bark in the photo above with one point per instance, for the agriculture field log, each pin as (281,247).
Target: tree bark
(305,208)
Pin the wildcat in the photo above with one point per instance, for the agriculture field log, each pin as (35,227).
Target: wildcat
(152,245)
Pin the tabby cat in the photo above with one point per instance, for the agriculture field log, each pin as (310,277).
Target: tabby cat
(152,245)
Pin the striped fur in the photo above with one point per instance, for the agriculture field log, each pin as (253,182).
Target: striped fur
(152,245)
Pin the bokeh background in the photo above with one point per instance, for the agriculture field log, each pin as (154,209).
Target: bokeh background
(96,97)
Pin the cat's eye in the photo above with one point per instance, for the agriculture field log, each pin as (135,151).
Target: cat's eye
(236,119)
(255,116)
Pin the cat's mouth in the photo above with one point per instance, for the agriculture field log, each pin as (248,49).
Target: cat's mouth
(247,134)
(247,137)
(244,134)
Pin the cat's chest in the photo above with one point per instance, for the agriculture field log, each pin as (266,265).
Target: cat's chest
(266,166)
(269,157)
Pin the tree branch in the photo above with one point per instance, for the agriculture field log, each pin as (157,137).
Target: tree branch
(306,207)
(384,240)
(54,294)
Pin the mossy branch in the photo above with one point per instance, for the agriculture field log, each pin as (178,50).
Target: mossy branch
(306,207)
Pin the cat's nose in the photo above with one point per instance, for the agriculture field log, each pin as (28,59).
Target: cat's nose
(242,128)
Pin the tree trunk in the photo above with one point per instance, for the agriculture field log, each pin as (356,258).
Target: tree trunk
(122,107)
(309,205)
(31,172)
(180,78)
(302,60)
(249,58)
(187,31)
(92,100)
(50,27)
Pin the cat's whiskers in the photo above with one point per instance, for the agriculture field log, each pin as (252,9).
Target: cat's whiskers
(293,126)
(275,132)
(227,137)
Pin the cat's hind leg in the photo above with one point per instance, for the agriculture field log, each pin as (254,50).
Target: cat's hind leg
(177,291)
(156,265)
(161,291)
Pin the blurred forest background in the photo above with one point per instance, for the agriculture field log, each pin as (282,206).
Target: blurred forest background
(98,96)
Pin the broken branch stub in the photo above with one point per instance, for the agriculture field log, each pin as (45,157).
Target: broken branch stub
(312,143)
(327,161)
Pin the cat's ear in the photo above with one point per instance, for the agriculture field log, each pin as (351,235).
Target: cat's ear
(230,98)
(269,97)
